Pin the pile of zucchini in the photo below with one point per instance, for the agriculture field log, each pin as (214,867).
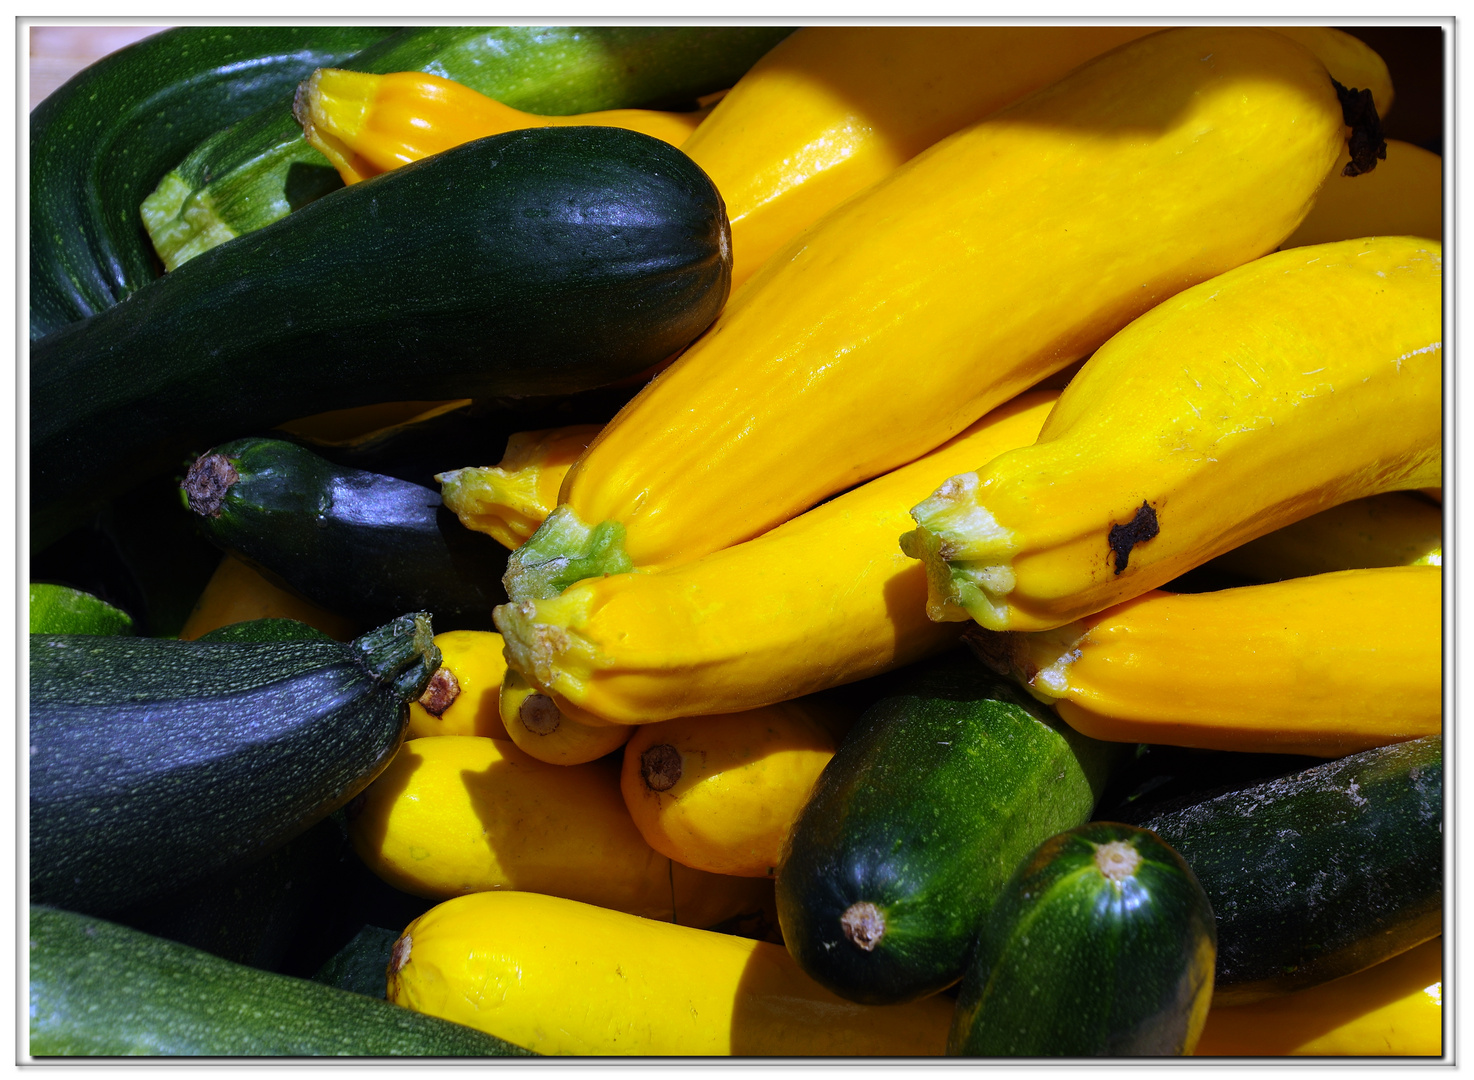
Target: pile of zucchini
(247,595)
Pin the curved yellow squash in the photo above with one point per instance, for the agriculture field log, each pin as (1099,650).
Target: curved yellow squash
(1306,379)
(509,500)
(825,599)
(559,977)
(237,592)
(1326,665)
(463,814)
(1001,255)
(1403,196)
(554,731)
(463,693)
(369,124)
(721,793)
(1392,1009)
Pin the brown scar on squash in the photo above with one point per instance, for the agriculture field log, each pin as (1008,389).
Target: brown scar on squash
(441,692)
(1366,145)
(660,767)
(206,483)
(1141,528)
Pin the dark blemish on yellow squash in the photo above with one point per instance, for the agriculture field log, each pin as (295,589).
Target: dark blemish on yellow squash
(660,766)
(1138,530)
(441,693)
(539,714)
(1366,145)
(399,955)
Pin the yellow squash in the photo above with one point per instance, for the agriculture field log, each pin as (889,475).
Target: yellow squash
(564,978)
(1306,379)
(366,423)
(1001,255)
(462,698)
(369,124)
(825,599)
(508,501)
(1392,1009)
(1326,665)
(1403,197)
(237,592)
(1395,529)
(462,814)
(832,110)
(721,793)
(552,731)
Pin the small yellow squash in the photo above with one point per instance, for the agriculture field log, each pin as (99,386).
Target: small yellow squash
(1402,197)
(552,731)
(462,698)
(237,593)
(560,977)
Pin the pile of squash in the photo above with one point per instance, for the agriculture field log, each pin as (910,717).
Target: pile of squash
(961,572)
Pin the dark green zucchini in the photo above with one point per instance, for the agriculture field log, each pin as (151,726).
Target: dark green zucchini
(1321,873)
(257,171)
(545,261)
(99,989)
(354,542)
(60,609)
(101,142)
(1100,946)
(265,630)
(362,965)
(156,763)
(933,798)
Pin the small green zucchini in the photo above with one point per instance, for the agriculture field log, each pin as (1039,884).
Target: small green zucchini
(255,172)
(537,262)
(934,797)
(101,142)
(155,763)
(357,543)
(60,609)
(1102,945)
(102,990)
(1320,873)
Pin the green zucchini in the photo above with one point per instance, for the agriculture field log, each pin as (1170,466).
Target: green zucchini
(913,828)
(101,142)
(156,763)
(363,964)
(357,543)
(59,609)
(1321,873)
(257,171)
(99,989)
(1101,945)
(270,629)
(545,261)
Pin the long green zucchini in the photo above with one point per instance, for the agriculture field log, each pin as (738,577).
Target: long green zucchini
(358,543)
(257,171)
(537,262)
(1320,873)
(101,142)
(911,832)
(99,989)
(156,763)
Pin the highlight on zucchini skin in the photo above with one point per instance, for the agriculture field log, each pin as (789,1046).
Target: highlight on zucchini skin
(1101,945)
(156,762)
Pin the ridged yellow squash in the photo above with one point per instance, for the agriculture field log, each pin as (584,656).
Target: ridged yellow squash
(1000,255)
(1328,665)
(559,977)
(1308,378)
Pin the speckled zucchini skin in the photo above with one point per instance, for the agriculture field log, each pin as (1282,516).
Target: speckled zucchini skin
(1074,961)
(102,141)
(545,261)
(1320,873)
(931,801)
(155,763)
(99,989)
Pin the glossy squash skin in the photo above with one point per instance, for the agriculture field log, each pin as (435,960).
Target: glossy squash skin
(1101,945)
(1394,1009)
(832,110)
(1327,665)
(952,285)
(825,599)
(1305,379)
(461,698)
(1403,196)
(463,814)
(721,793)
(393,285)
(509,500)
(572,979)
(367,124)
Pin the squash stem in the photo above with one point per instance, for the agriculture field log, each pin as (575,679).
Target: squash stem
(402,653)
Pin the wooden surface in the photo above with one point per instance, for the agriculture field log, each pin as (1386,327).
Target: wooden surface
(59,52)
